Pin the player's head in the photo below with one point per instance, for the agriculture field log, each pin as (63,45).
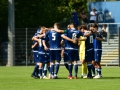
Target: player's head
(79,28)
(68,27)
(95,27)
(91,27)
(72,25)
(43,29)
(83,27)
(56,25)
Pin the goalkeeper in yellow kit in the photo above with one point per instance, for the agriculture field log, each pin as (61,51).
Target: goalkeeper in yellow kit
(81,45)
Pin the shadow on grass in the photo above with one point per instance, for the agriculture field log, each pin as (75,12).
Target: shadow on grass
(93,78)
(110,78)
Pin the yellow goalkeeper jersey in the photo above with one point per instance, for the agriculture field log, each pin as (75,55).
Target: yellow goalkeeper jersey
(82,44)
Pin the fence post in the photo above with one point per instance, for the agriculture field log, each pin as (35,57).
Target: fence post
(119,44)
(108,34)
(26,50)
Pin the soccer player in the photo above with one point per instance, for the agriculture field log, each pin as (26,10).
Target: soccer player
(55,49)
(98,51)
(89,50)
(41,53)
(36,59)
(82,52)
(72,50)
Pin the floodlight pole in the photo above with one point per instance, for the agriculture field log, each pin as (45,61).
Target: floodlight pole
(11,33)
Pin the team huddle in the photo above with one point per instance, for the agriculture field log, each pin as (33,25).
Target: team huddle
(73,44)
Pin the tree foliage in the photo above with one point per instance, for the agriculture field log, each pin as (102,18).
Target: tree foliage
(32,13)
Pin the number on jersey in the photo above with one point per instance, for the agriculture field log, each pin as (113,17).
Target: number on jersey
(53,37)
(40,43)
(91,39)
(74,35)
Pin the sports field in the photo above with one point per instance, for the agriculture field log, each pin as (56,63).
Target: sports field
(18,78)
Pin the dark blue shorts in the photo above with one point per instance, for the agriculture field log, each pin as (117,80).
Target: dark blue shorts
(97,55)
(47,56)
(65,56)
(73,55)
(36,56)
(55,55)
(42,58)
(89,55)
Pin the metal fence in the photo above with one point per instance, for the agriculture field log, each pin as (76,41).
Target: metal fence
(24,56)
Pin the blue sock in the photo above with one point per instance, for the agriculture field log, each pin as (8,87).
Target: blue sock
(35,71)
(57,68)
(45,72)
(93,69)
(52,70)
(99,71)
(89,70)
(76,69)
(96,69)
(40,72)
(70,69)
(45,69)
(66,65)
(49,69)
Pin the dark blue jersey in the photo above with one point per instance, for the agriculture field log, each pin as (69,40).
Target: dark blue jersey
(54,39)
(36,47)
(89,42)
(72,34)
(40,46)
(97,43)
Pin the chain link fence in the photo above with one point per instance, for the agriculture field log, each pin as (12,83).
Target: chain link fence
(24,55)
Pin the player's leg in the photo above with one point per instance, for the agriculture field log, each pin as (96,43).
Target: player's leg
(93,68)
(36,59)
(58,59)
(45,70)
(41,60)
(52,63)
(84,64)
(66,59)
(98,60)
(76,58)
(70,65)
(88,59)
(45,64)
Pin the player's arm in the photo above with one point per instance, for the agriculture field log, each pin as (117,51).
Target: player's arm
(62,42)
(60,31)
(45,47)
(40,36)
(67,38)
(35,39)
(82,39)
(96,32)
(34,45)
(99,39)
(88,34)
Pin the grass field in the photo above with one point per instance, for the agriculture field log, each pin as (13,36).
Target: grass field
(18,78)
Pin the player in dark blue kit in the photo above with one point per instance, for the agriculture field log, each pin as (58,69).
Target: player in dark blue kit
(72,49)
(98,51)
(41,53)
(55,49)
(89,48)
(36,59)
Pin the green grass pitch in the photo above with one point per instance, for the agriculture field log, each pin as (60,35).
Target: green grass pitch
(18,78)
